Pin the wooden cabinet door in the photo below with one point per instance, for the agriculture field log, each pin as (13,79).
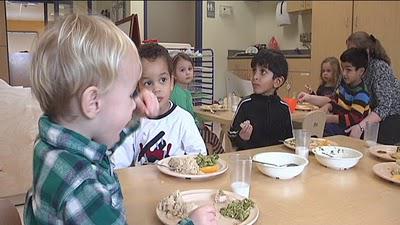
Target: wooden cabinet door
(331,26)
(382,19)
(295,6)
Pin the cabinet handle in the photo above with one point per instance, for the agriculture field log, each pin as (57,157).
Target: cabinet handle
(356,23)
(347,22)
(303,4)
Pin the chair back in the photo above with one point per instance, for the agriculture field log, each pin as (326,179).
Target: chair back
(19,112)
(314,122)
(8,213)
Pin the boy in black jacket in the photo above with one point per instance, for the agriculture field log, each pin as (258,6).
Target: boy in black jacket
(263,119)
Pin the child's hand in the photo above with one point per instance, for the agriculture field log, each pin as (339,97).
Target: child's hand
(245,132)
(147,104)
(303,97)
(308,89)
(355,131)
(326,108)
(204,215)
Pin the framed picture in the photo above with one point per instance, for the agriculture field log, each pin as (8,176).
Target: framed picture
(130,26)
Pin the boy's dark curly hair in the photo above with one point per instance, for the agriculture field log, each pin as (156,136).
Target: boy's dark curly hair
(357,57)
(153,51)
(273,60)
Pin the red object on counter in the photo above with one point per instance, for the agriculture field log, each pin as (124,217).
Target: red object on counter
(273,43)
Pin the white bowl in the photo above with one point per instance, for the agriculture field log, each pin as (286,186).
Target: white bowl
(280,158)
(336,157)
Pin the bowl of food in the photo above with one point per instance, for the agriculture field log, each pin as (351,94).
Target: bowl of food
(280,165)
(336,157)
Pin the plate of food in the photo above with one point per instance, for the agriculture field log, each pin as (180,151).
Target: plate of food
(314,142)
(386,152)
(231,208)
(213,108)
(305,106)
(193,167)
(389,171)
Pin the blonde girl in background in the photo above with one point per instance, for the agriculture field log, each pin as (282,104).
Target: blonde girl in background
(330,78)
(183,72)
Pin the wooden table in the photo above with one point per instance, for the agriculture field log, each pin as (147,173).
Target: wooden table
(319,195)
(225,119)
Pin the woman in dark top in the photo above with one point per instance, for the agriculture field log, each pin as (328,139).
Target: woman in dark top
(384,89)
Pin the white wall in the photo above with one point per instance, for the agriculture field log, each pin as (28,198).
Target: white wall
(251,23)
(287,36)
(237,31)
(171,21)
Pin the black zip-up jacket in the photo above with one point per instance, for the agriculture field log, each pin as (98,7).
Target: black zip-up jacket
(270,118)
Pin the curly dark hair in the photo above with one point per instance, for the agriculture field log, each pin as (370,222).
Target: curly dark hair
(273,60)
(153,51)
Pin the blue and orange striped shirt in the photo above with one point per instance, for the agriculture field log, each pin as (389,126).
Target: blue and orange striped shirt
(351,104)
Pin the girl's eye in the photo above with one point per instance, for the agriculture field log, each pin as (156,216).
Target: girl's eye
(163,80)
(147,83)
(134,94)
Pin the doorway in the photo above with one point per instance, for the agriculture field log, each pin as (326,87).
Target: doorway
(174,21)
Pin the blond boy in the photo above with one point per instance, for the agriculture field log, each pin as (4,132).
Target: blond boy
(84,75)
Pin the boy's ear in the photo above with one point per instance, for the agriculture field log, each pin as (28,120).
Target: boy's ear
(279,81)
(90,102)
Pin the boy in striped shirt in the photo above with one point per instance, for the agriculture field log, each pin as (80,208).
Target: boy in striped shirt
(350,104)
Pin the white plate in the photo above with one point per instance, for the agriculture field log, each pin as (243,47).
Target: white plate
(203,196)
(223,166)
(315,142)
(383,151)
(384,170)
(214,107)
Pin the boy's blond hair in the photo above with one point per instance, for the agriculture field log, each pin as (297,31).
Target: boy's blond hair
(76,52)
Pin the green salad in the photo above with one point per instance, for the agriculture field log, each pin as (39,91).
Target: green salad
(238,209)
(206,160)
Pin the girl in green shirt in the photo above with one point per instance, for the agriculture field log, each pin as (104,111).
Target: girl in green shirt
(182,70)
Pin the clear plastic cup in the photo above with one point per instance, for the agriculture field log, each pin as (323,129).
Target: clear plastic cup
(371,131)
(241,174)
(302,138)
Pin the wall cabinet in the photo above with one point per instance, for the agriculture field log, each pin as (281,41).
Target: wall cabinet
(299,74)
(334,21)
(3,44)
(297,6)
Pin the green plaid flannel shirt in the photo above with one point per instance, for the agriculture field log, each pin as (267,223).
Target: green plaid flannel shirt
(73,181)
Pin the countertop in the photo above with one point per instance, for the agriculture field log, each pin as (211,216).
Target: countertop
(292,53)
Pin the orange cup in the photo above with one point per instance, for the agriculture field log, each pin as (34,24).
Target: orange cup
(292,102)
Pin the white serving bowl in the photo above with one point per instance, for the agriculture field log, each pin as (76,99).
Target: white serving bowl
(280,158)
(336,157)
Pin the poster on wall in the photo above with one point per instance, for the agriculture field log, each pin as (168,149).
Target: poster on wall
(210,9)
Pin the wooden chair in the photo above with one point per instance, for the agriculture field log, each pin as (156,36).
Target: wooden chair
(8,213)
(315,123)
(18,129)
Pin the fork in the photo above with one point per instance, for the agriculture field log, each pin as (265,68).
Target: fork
(162,165)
